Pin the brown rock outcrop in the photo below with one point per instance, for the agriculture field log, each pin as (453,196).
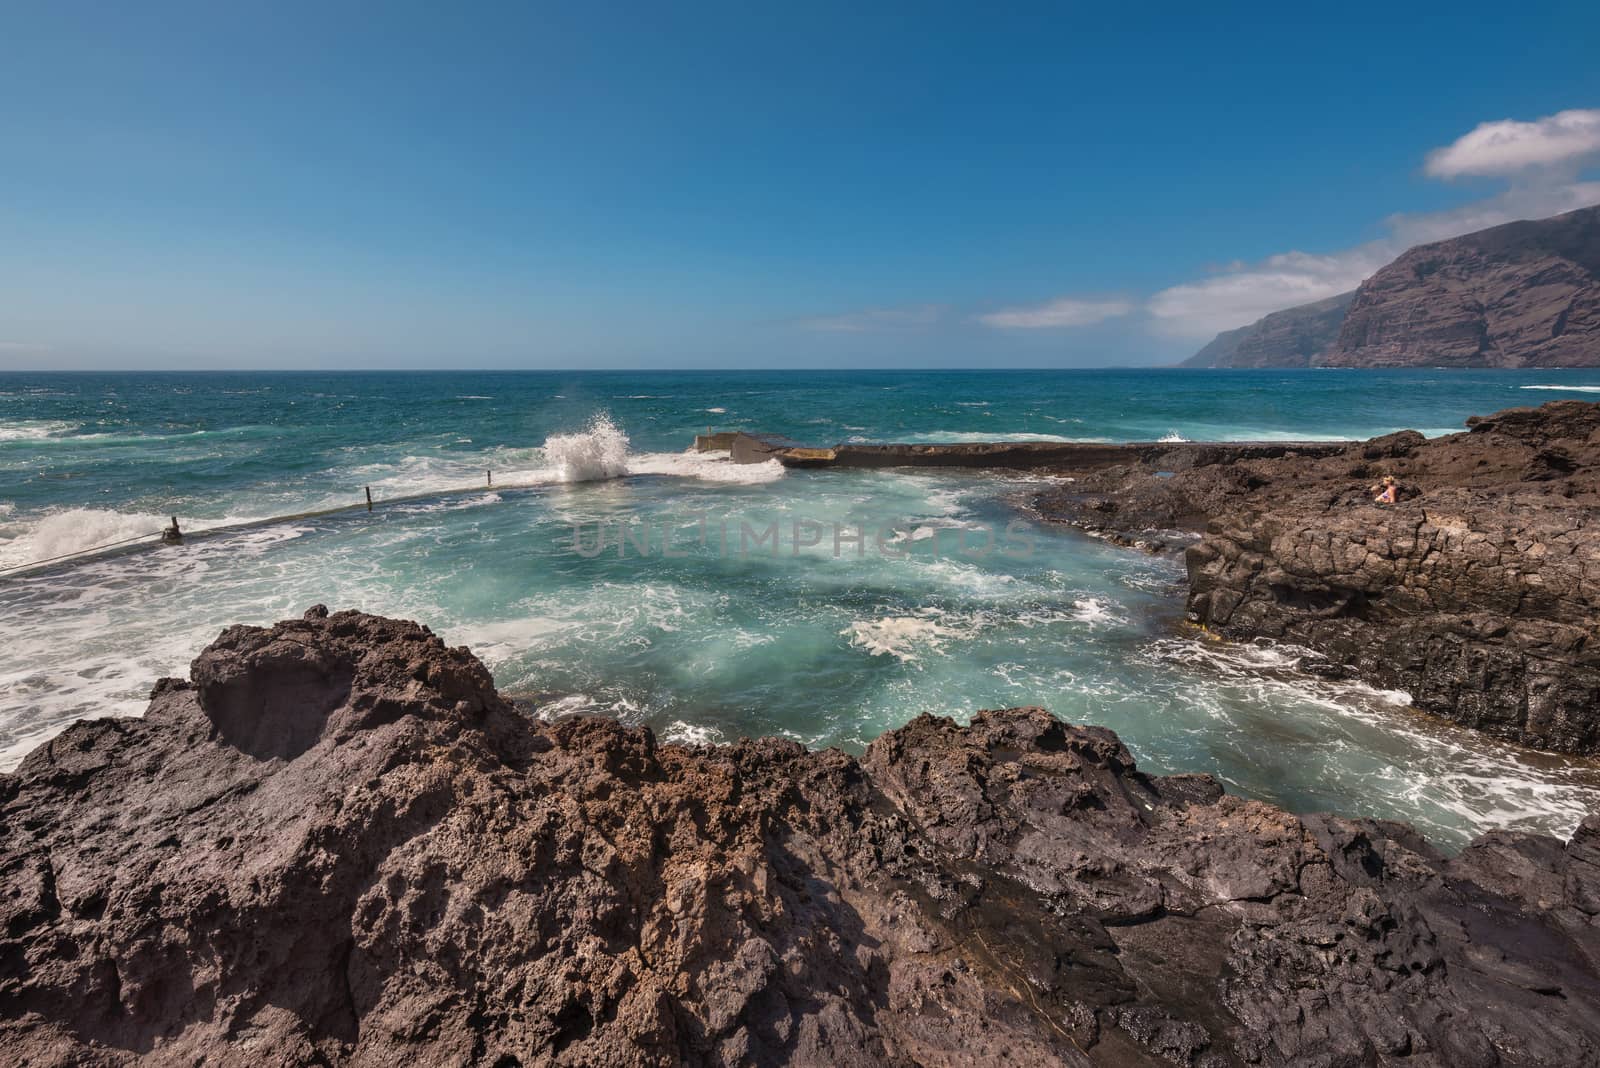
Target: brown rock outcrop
(336,844)
(1478,593)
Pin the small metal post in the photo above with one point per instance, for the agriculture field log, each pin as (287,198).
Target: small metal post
(369,498)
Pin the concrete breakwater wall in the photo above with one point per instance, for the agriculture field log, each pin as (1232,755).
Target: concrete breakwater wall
(1010,455)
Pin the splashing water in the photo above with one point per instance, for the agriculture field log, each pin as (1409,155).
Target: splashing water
(705,644)
(600,451)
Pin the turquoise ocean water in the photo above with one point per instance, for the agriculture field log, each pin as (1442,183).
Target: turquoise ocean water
(711,643)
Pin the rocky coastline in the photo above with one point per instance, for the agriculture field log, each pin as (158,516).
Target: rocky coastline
(335,843)
(1477,592)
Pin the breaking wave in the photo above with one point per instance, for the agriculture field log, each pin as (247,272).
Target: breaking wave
(34,430)
(597,452)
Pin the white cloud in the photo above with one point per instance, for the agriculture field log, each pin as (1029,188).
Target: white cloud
(1530,200)
(1067,311)
(1244,294)
(1548,152)
(1542,160)
(1509,147)
(874,319)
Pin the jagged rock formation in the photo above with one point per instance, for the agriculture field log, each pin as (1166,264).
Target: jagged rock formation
(1526,294)
(1294,337)
(1478,593)
(336,844)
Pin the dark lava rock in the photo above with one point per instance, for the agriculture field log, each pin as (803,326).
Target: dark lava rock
(337,844)
(1478,592)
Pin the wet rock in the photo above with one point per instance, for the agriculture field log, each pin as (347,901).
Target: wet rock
(1477,593)
(336,843)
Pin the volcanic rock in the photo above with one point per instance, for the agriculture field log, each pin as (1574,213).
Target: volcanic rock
(335,843)
(1478,593)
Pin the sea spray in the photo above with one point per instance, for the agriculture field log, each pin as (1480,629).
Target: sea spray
(70,531)
(599,451)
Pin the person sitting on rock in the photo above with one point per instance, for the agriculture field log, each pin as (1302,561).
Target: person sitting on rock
(1388,491)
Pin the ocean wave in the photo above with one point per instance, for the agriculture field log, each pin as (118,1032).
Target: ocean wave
(72,530)
(704,466)
(1566,389)
(66,436)
(600,451)
(34,430)
(25,540)
(1171,437)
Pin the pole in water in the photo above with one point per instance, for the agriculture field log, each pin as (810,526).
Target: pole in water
(369,498)
(488,478)
(172,535)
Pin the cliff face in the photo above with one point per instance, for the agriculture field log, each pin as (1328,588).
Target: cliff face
(336,844)
(1478,593)
(1294,337)
(1526,294)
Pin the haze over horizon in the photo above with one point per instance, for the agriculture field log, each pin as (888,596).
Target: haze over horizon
(184,186)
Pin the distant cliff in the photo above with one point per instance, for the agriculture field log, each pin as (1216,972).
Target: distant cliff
(1294,337)
(1526,294)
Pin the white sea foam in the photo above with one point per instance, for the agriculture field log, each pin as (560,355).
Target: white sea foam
(74,530)
(903,637)
(1447,778)
(707,467)
(1094,610)
(1566,389)
(599,451)
(34,429)
(682,732)
(572,704)
(717,411)
(1172,436)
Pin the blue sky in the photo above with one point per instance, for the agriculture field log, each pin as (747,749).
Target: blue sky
(694,185)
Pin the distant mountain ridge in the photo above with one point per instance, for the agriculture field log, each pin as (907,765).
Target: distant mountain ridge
(1294,337)
(1524,294)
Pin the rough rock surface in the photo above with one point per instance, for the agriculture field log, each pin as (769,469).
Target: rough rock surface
(1526,294)
(1479,592)
(336,844)
(1294,337)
